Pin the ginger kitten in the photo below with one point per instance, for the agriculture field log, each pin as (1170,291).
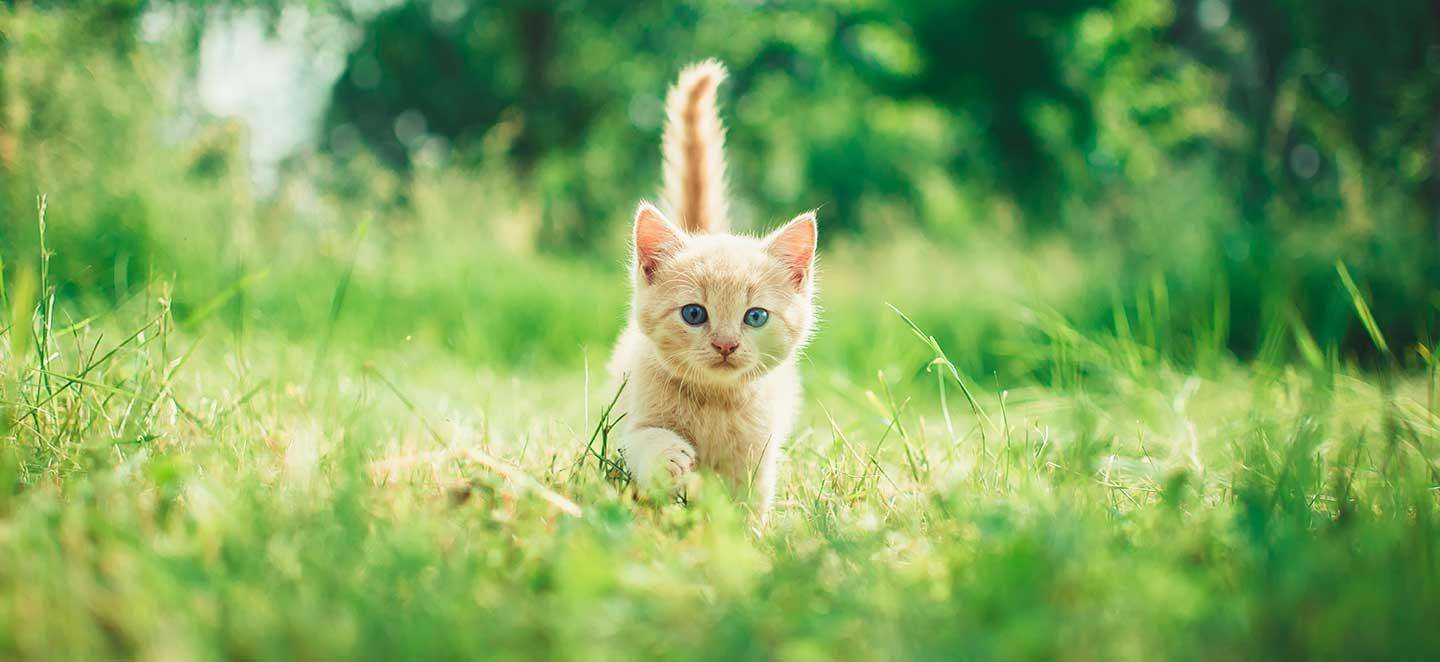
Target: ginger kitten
(716,319)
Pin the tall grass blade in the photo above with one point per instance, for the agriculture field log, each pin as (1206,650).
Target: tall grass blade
(337,302)
(1362,309)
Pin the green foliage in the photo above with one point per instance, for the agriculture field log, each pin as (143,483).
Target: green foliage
(84,122)
(170,490)
(1131,130)
(1177,400)
(818,93)
(1128,123)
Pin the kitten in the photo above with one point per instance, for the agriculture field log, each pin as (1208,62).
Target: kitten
(716,319)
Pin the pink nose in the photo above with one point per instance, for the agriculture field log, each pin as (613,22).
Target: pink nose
(725,347)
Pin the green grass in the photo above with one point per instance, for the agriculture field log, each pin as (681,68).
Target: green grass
(350,419)
(280,463)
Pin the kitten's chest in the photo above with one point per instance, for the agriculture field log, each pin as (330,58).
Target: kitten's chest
(730,433)
(726,438)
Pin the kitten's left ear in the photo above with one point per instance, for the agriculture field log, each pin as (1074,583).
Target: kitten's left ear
(656,238)
(794,245)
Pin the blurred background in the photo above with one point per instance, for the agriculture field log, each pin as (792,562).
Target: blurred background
(1188,174)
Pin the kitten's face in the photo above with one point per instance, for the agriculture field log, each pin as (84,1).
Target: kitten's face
(723,309)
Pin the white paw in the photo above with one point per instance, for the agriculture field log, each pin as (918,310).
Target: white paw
(659,458)
(677,459)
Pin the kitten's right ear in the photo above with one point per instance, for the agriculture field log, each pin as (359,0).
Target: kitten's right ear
(656,238)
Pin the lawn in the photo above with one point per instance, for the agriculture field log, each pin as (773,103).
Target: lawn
(371,450)
(1127,345)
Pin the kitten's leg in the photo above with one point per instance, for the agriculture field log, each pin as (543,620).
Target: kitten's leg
(657,457)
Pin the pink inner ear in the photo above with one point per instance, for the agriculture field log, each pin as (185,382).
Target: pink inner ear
(655,238)
(794,244)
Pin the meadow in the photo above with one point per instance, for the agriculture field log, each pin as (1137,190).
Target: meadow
(364,415)
(189,488)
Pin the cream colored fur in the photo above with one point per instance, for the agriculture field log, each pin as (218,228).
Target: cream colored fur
(687,405)
(695,150)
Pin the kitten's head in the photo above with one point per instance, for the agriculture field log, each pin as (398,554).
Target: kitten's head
(723,309)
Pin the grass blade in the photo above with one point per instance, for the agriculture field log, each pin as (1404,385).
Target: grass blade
(1362,309)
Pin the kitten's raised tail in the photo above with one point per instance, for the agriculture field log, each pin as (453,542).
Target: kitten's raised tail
(695,150)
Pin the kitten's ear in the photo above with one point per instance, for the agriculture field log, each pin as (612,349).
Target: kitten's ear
(655,239)
(794,245)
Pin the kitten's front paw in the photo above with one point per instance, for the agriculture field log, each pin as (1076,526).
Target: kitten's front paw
(659,458)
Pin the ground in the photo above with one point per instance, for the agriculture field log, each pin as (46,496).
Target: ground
(383,466)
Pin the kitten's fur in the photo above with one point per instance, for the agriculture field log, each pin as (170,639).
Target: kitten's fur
(686,406)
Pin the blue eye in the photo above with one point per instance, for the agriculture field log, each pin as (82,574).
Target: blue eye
(757,317)
(694,314)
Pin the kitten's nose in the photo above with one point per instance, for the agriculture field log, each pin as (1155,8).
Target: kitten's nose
(725,347)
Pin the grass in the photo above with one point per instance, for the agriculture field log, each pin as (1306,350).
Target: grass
(398,464)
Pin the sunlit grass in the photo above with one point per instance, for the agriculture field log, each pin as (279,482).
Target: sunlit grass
(347,458)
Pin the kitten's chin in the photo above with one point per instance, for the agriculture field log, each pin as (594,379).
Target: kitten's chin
(725,371)
(719,373)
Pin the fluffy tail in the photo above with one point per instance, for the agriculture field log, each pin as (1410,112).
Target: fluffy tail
(695,150)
